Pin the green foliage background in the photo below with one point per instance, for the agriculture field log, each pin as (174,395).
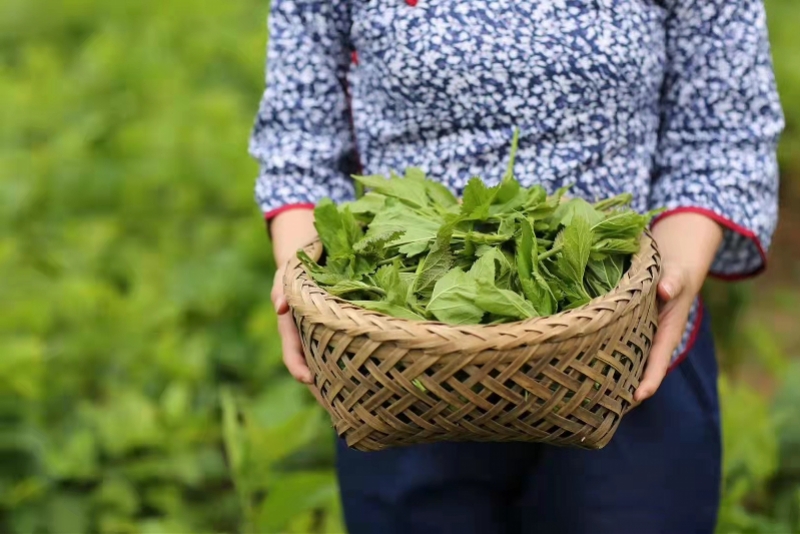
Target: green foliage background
(141,389)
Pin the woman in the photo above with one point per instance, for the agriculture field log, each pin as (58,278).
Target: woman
(672,100)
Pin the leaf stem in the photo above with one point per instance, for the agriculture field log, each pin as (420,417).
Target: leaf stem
(552,252)
(389,260)
(514,143)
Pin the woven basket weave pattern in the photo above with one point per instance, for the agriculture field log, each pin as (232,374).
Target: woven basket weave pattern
(566,379)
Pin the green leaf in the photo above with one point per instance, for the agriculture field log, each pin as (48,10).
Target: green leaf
(616,246)
(352,230)
(476,199)
(235,444)
(545,300)
(437,192)
(509,188)
(411,191)
(337,228)
(440,194)
(376,244)
(414,242)
(508,226)
(328,223)
(434,266)
(359,189)
(389,309)
(621,225)
(576,240)
(525,251)
(606,274)
(371,203)
(502,301)
(322,275)
(292,494)
(571,262)
(415,173)
(618,201)
(346,287)
(533,285)
(536,196)
(417,230)
(576,207)
(388,278)
(68,513)
(513,204)
(483,270)
(506,271)
(453,299)
(554,200)
(575,294)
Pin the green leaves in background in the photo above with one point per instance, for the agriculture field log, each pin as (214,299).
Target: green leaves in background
(134,280)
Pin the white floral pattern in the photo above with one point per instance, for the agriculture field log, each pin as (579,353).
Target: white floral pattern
(672,100)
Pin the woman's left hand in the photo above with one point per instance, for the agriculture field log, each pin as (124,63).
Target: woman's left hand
(688,243)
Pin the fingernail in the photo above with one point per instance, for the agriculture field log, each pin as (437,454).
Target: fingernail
(668,289)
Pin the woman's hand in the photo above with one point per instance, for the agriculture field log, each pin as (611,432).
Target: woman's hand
(291,230)
(688,243)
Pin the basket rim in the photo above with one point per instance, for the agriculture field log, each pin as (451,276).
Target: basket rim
(641,277)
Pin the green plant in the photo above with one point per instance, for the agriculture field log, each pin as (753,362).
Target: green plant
(134,280)
(141,388)
(408,248)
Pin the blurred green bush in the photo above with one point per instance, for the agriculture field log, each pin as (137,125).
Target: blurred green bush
(141,389)
(140,380)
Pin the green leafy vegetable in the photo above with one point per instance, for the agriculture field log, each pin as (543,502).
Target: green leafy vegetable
(435,265)
(576,245)
(453,299)
(406,247)
(388,308)
(477,199)
(410,190)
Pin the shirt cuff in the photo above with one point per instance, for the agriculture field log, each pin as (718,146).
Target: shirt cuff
(271,214)
(744,238)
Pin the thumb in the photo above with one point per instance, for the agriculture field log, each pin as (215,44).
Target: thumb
(278,297)
(281,306)
(671,285)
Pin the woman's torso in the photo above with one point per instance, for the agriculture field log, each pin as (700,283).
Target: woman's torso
(441,86)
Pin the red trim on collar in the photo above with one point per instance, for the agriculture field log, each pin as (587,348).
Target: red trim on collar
(411,3)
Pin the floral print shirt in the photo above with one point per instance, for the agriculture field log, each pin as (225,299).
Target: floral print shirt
(671,100)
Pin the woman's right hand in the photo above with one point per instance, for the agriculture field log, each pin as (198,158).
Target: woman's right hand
(290,231)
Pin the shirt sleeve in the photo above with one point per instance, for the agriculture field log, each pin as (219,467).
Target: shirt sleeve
(302,138)
(720,123)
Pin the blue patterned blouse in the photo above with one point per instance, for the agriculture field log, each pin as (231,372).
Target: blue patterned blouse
(672,100)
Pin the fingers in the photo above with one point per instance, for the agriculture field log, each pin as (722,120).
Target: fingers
(671,285)
(293,357)
(672,321)
(667,339)
(278,298)
(281,306)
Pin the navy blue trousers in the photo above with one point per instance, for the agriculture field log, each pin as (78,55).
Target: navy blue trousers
(660,474)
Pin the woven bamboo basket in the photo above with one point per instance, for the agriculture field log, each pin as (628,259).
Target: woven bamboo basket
(567,379)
